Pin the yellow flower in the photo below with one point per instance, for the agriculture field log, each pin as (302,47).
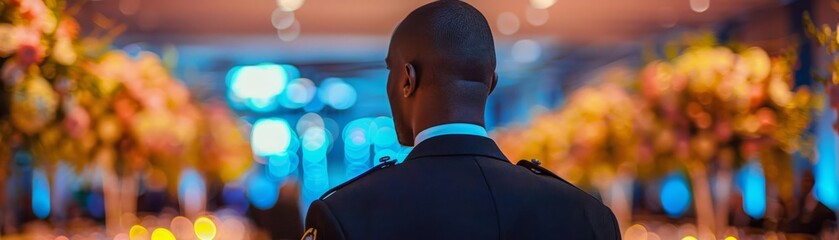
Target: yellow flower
(63,51)
(758,63)
(8,39)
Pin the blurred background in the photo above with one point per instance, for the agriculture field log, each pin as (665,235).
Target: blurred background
(176,119)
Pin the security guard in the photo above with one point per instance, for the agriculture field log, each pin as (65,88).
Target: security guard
(456,183)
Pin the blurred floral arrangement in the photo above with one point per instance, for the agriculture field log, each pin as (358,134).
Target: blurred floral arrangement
(709,109)
(829,40)
(67,98)
(91,103)
(707,103)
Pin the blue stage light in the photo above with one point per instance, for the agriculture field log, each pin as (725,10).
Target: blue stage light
(675,195)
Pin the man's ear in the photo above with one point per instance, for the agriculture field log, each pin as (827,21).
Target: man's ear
(493,82)
(410,85)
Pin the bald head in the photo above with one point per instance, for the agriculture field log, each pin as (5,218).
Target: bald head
(449,36)
(442,68)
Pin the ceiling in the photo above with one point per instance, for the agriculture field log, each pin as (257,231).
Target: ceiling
(569,21)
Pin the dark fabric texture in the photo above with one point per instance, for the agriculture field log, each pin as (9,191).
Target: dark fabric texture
(459,187)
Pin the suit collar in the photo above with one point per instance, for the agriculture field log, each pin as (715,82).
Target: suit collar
(457,144)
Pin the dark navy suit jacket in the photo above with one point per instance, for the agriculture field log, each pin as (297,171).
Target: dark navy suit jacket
(459,187)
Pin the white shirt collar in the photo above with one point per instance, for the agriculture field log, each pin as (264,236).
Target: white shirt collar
(449,129)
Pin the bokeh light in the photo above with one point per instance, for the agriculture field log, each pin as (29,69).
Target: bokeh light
(299,92)
(542,4)
(257,86)
(508,23)
(535,16)
(138,232)
(262,192)
(290,5)
(314,139)
(385,137)
(825,169)
(753,186)
(291,33)
(700,6)
(40,194)
(337,93)
(259,81)
(282,19)
(270,136)
(675,195)
(309,120)
(636,232)
(281,165)
(205,228)
(192,191)
(162,234)
(526,51)
(181,228)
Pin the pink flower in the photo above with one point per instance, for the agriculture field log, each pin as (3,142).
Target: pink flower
(30,49)
(39,16)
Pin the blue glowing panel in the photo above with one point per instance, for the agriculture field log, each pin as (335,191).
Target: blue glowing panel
(270,136)
(40,194)
(262,192)
(675,195)
(753,186)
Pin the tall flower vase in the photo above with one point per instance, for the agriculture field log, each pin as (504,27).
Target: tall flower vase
(722,193)
(698,173)
(120,193)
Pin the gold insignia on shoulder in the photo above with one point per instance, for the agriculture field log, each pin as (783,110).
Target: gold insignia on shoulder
(310,234)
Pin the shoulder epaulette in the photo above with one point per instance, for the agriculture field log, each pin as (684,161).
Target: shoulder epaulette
(385,162)
(534,166)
